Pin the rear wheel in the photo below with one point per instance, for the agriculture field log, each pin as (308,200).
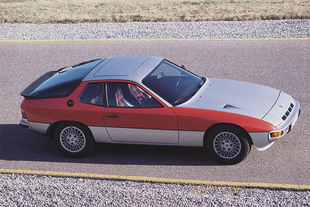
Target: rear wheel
(74,139)
(228,144)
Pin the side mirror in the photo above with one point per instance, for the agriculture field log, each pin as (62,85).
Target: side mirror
(182,66)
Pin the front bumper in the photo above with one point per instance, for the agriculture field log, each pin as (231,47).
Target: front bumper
(288,125)
(263,140)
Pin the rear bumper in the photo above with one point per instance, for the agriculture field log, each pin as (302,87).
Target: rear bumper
(40,128)
(24,123)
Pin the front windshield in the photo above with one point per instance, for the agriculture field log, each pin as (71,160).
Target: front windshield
(174,84)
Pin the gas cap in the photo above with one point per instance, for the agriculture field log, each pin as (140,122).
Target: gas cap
(70,103)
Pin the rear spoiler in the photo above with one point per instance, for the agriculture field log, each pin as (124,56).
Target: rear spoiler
(25,93)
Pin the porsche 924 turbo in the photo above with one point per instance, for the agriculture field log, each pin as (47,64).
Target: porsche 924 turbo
(152,101)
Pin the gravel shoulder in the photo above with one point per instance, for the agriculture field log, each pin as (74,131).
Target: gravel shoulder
(158,30)
(33,190)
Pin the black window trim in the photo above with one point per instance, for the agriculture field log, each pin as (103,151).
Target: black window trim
(127,82)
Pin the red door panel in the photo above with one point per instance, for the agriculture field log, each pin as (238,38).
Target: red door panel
(142,125)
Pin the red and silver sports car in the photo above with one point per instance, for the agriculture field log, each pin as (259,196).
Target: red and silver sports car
(149,100)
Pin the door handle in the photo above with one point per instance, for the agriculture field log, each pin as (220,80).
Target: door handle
(112,116)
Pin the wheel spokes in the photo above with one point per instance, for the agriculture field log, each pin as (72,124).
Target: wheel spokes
(72,139)
(227,145)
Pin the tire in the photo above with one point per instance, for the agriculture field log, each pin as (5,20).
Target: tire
(228,144)
(74,139)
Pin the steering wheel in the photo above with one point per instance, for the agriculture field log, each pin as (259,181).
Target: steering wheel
(160,75)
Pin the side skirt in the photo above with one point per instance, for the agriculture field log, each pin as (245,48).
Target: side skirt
(147,136)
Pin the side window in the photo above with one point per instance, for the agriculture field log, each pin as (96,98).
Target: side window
(129,95)
(92,94)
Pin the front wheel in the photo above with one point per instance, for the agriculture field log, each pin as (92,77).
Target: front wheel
(74,139)
(228,144)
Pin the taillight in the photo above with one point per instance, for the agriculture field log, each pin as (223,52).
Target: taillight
(23,113)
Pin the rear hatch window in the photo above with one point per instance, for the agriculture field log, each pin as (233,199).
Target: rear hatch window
(59,83)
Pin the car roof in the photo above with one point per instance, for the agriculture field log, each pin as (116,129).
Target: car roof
(132,68)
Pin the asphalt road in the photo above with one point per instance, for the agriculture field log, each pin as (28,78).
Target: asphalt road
(282,64)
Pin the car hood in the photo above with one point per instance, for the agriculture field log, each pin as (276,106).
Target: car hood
(234,97)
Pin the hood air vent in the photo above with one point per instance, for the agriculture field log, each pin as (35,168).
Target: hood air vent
(288,112)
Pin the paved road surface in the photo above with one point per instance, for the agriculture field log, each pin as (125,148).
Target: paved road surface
(280,64)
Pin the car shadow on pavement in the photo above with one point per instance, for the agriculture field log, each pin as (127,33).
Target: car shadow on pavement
(21,144)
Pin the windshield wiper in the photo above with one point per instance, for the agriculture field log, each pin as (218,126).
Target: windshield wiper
(183,98)
(203,80)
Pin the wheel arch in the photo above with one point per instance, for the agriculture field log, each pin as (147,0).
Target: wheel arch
(52,128)
(223,125)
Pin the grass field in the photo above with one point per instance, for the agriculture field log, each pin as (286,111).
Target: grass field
(76,11)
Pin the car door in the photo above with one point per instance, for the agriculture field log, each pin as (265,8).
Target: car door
(134,116)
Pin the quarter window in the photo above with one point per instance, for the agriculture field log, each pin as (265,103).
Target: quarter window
(92,94)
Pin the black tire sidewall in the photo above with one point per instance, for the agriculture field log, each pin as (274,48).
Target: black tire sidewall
(242,136)
(89,145)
